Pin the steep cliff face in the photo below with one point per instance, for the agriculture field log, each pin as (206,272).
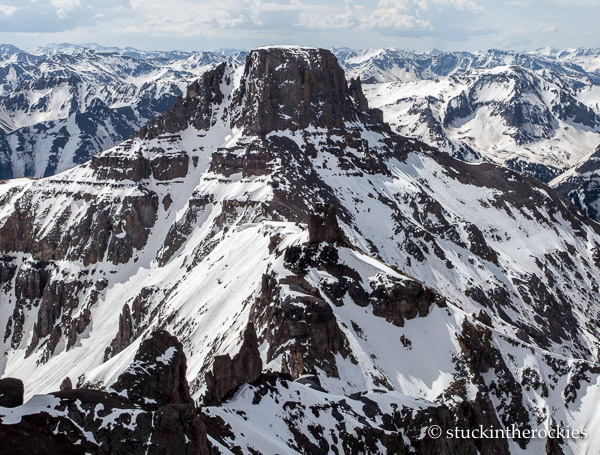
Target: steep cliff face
(347,284)
(310,90)
(193,110)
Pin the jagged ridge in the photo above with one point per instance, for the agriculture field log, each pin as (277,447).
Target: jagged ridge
(433,291)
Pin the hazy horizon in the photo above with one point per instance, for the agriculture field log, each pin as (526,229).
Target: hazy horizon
(93,45)
(420,25)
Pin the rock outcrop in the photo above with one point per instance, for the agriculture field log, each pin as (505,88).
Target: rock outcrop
(196,109)
(11,392)
(323,226)
(466,415)
(228,373)
(157,375)
(152,413)
(66,385)
(293,89)
(124,334)
(401,300)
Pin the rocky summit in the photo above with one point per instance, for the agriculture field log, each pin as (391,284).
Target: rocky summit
(269,268)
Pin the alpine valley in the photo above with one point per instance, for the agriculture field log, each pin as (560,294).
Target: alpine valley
(269,267)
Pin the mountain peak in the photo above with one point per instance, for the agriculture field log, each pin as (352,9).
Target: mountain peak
(281,88)
(8,49)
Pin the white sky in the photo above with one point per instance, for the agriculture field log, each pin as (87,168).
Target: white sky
(213,24)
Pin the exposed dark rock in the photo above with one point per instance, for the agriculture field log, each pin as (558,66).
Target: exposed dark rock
(252,159)
(140,306)
(247,364)
(182,228)
(467,415)
(404,299)
(117,167)
(323,226)
(220,380)
(178,429)
(196,109)
(110,228)
(458,108)
(167,201)
(395,299)
(35,435)
(78,326)
(94,421)
(124,334)
(542,172)
(283,90)
(369,116)
(57,303)
(482,357)
(170,166)
(11,392)
(484,318)
(8,269)
(31,281)
(479,246)
(228,373)
(554,445)
(58,300)
(66,385)
(304,330)
(579,376)
(157,375)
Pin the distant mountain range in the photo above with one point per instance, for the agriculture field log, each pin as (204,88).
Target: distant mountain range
(536,112)
(61,104)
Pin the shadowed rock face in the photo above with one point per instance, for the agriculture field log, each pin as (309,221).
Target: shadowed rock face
(11,392)
(281,89)
(152,414)
(195,109)
(66,385)
(469,414)
(95,234)
(157,375)
(124,334)
(228,373)
(323,226)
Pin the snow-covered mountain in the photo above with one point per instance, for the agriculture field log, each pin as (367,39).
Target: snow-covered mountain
(536,112)
(336,287)
(54,98)
(531,112)
(51,147)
